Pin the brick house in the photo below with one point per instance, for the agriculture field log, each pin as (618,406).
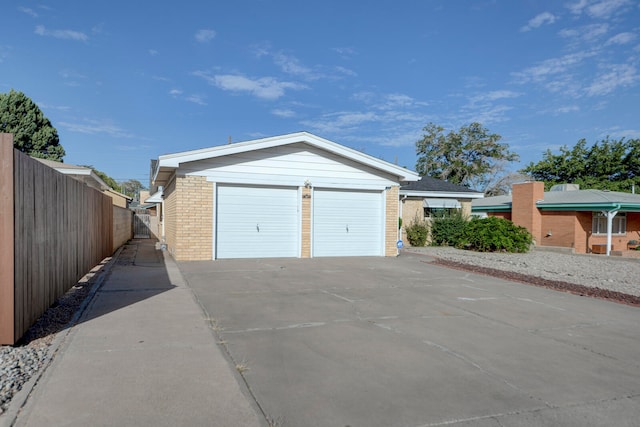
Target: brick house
(420,200)
(587,221)
(295,195)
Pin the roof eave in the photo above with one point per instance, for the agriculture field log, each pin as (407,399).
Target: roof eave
(173,161)
(434,193)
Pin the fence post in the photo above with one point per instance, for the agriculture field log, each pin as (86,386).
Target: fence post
(7,313)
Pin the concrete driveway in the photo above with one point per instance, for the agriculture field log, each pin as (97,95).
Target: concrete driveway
(401,342)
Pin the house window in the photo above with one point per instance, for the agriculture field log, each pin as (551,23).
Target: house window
(438,212)
(618,225)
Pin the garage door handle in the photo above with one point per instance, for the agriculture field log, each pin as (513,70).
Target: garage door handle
(347,228)
(258,227)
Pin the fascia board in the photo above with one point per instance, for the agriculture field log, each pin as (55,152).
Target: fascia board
(174,160)
(456,195)
(491,208)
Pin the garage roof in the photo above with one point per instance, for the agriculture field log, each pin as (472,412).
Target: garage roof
(168,163)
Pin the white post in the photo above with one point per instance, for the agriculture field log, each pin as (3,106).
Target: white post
(610,216)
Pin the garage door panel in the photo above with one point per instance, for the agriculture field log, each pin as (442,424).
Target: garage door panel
(257,222)
(347,223)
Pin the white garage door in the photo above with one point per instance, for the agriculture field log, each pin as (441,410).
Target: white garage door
(347,223)
(257,222)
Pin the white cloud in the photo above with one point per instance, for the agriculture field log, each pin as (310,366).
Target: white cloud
(567,109)
(345,71)
(544,18)
(618,75)
(344,52)
(93,127)
(622,38)
(264,87)
(291,65)
(28,11)
(196,99)
(552,67)
(175,92)
(494,96)
(61,34)
(153,52)
(586,33)
(285,114)
(597,9)
(204,36)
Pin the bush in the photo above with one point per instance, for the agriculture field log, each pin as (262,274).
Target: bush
(447,229)
(417,232)
(495,234)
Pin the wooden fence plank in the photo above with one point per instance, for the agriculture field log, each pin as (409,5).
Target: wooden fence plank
(7,314)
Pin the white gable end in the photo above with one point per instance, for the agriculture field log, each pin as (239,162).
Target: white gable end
(289,165)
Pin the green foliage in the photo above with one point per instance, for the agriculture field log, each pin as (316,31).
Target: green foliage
(608,164)
(493,234)
(103,176)
(399,223)
(470,157)
(32,132)
(417,232)
(448,228)
(131,187)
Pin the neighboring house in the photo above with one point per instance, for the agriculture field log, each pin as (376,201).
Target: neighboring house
(295,195)
(586,220)
(422,199)
(89,177)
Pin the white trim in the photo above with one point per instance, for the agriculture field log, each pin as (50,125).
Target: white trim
(214,228)
(441,194)
(173,161)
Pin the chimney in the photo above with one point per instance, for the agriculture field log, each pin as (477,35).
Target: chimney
(524,211)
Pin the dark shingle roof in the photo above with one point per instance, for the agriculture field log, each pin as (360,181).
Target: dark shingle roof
(426,183)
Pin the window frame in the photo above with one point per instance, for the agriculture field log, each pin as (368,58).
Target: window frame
(599,224)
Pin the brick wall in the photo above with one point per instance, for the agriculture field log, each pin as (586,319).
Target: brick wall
(391,226)
(306,223)
(194,227)
(558,229)
(170,216)
(524,211)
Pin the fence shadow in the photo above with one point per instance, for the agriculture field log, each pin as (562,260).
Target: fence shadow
(138,273)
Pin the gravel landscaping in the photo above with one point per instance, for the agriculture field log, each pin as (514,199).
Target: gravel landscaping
(613,278)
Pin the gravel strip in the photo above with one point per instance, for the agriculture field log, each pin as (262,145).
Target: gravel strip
(615,278)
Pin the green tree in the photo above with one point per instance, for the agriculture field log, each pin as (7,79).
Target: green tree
(32,132)
(131,187)
(472,156)
(103,176)
(608,164)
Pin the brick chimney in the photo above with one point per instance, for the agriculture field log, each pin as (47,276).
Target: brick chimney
(524,211)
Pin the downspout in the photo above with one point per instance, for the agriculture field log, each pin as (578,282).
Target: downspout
(610,215)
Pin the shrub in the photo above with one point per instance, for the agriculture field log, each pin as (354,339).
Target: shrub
(493,234)
(417,232)
(447,229)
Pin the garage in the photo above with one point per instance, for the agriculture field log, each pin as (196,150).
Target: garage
(347,223)
(288,196)
(257,222)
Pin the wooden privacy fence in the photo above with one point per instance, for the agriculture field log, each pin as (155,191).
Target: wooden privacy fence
(53,230)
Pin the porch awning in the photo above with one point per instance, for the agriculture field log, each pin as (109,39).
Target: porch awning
(155,198)
(441,203)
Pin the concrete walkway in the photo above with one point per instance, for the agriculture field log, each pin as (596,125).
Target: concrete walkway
(142,354)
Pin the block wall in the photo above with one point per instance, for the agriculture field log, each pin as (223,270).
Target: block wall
(391,225)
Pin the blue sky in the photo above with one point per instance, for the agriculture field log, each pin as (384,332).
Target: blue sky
(124,82)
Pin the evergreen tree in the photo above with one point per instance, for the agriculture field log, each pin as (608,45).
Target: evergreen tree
(32,132)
